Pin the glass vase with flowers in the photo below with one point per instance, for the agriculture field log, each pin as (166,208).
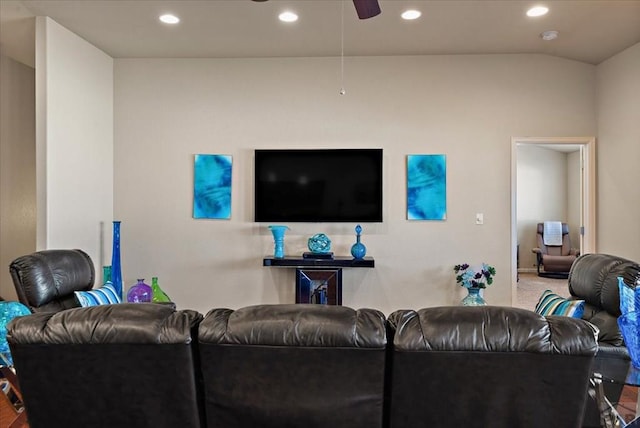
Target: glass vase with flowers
(474,279)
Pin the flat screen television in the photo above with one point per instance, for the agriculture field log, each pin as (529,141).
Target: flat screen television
(319,185)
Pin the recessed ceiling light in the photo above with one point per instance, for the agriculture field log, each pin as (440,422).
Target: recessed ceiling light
(537,11)
(411,14)
(288,17)
(549,35)
(169,19)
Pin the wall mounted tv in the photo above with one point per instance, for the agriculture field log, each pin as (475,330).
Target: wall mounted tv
(321,185)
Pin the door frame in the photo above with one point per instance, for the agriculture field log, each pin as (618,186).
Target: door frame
(588,197)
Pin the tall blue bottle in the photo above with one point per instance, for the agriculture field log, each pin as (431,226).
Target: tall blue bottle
(116,269)
(358,250)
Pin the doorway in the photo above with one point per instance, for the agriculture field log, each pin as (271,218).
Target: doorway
(585,146)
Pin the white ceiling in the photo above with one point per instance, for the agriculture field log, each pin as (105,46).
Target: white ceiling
(590,31)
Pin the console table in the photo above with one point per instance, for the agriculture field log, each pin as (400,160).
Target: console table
(319,280)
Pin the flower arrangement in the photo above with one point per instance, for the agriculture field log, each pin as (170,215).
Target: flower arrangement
(469,278)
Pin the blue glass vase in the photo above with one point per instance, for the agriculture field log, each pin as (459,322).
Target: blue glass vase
(278,240)
(116,269)
(473,298)
(358,250)
(140,293)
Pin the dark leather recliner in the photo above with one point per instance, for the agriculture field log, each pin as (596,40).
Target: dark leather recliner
(111,366)
(45,280)
(555,260)
(594,279)
(291,366)
(488,366)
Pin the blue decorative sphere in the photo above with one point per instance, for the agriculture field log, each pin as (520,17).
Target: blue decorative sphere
(319,243)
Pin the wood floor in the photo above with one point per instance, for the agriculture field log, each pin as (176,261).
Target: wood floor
(11,409)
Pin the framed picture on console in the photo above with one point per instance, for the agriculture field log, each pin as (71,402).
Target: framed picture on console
(212,186)
(319,286)
(426,187)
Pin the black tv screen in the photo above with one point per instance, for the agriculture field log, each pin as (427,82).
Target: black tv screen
(322,185)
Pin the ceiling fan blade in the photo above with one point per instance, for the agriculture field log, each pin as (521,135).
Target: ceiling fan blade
(367,8)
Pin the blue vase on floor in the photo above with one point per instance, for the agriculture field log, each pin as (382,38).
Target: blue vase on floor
(116,269)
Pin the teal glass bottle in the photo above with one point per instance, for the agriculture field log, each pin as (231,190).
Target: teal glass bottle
(358,250)
(106,274)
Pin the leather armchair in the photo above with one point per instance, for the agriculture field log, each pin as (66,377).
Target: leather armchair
(488,366)
(111,366)
(555,261)
(45,280)
(594,279)
(291,366)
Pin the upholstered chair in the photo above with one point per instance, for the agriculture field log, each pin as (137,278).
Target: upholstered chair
(554,261)
(594,279)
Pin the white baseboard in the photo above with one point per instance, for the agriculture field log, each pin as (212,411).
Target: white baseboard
(527,270)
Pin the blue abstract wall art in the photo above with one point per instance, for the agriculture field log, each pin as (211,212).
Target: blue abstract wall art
(426,187)
(212,186)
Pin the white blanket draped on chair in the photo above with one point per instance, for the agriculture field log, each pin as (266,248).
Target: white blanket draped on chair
(552,233)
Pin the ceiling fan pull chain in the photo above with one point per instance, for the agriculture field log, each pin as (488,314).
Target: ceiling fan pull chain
(342,90)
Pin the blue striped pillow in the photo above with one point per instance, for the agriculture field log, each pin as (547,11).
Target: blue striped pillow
(104,295)
(553,304)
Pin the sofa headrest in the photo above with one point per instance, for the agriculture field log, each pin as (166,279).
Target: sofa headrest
(491,329)
(594,278)
(45,276)
(303,325)
(147,323)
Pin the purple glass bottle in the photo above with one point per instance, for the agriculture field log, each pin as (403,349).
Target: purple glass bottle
(140,293)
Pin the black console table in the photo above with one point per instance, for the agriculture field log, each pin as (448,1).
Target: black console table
(319,280)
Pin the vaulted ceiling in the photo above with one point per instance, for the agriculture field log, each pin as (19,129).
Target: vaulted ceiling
(589,31)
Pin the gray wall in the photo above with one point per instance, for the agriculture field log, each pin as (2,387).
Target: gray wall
(74,142)
(17,167)
(466,107)
(618,95)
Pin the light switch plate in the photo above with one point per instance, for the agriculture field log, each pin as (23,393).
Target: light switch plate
(479,218)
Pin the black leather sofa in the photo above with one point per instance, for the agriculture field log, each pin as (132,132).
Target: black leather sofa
(139,365)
